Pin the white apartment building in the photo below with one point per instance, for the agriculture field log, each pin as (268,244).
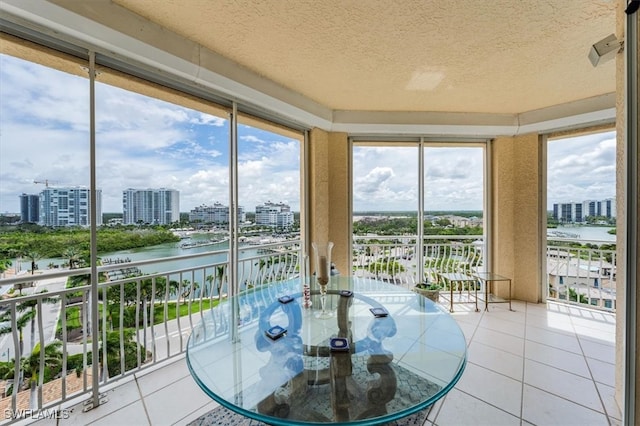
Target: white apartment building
(278,215)
(217,213)
(578,212)
(150,206)
(68,207)
(606,208)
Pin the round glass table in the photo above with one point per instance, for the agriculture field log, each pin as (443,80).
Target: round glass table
(380,353)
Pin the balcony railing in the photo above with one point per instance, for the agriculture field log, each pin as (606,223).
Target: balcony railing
(574,275)
(143,319)
(585,276)
(398,259)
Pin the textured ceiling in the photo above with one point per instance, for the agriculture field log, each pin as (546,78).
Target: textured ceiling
(490,56)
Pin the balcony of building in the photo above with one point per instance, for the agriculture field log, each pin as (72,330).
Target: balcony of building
(562,352)
(542,363)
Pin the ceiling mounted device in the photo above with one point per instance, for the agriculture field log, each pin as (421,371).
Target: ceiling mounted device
(605,49)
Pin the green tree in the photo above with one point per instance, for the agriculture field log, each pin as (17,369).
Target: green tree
(72,254)
(27,312)
(386,266)
(115,355)
(4,265)
(21,323)
(31,365)
(219,279)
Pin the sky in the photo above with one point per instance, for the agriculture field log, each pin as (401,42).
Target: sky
(142,142)
(581,168)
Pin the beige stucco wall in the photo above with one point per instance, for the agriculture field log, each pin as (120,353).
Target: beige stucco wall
(516,180)
(329,212)
(516,204)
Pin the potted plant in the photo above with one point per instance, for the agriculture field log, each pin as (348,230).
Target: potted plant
(430,290)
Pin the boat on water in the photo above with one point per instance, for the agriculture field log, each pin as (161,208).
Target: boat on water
(203,243)
(562,234)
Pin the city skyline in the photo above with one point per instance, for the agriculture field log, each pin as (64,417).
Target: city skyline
(143,142)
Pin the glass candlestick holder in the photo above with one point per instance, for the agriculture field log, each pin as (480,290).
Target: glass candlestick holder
(322,258)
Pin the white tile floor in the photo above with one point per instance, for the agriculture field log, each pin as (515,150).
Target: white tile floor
(540,365)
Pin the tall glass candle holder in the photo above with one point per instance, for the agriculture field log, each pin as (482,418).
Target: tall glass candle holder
(306,279)
(322,257)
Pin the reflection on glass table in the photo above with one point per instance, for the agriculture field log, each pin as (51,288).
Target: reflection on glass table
(383,355)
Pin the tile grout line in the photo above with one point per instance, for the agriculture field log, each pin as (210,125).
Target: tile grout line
(144,405)
(443,399)
(593,380)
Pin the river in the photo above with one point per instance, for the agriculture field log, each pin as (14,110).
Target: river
(587,233)
(166,250)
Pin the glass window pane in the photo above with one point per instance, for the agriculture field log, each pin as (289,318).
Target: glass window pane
(385,216)
(44,154)
(163,167)
(269,199)
(454,179)
(385,179)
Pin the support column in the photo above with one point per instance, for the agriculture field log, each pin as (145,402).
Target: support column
(329,207)
(517,231)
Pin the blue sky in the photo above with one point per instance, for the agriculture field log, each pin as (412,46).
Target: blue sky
(146,143)
(141,143)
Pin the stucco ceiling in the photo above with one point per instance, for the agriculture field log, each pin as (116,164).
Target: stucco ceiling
(488,56)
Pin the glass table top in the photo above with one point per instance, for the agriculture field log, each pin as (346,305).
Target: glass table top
(347,367)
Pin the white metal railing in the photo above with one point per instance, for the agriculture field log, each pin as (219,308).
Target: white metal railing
(575,274)
(579,275)
(396,258)
(143,320)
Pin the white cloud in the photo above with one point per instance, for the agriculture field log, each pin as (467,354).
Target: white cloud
(386,178)
(581,168)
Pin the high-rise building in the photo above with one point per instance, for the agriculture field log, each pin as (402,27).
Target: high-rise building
(578,212)
(68,207)
(150,206)
(278,215)
(29,208)
(217,213)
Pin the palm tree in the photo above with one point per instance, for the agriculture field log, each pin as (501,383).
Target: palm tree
(220,273)
(114,355)
(21,323)
(218,278)
(33,256)
(31,366)
(72,254)
(27,309)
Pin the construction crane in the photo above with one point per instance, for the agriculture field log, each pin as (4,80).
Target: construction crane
(46,182)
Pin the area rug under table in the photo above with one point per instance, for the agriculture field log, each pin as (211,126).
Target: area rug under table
(413,390)
(222,416)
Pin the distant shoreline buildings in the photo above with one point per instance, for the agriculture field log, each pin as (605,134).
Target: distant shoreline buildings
(69,206)
(217,214)
(152,206)
(278,215)
(578,212)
